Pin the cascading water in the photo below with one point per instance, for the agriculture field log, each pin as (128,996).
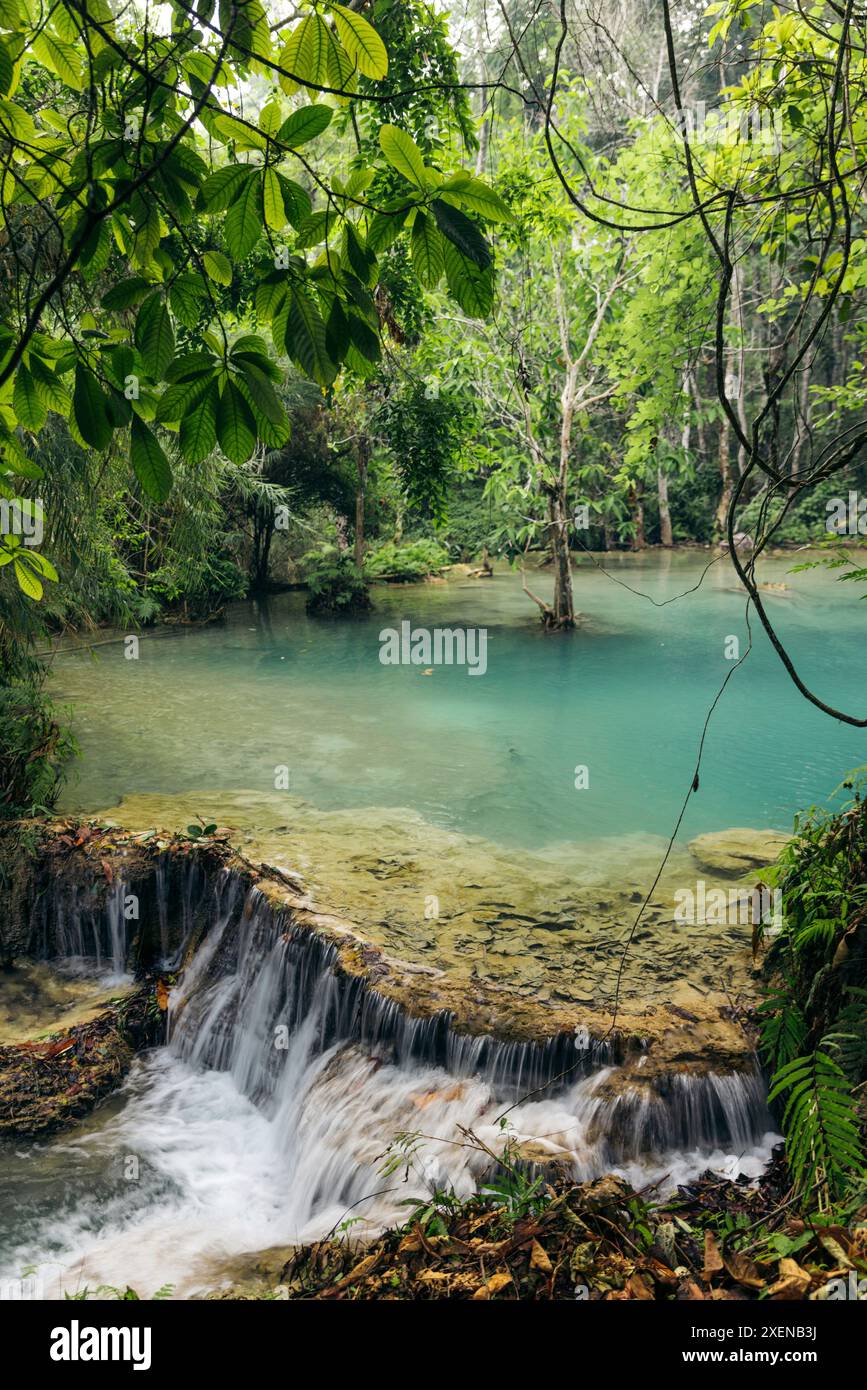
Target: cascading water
(265,1118)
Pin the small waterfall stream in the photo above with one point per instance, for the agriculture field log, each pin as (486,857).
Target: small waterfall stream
(265,1118)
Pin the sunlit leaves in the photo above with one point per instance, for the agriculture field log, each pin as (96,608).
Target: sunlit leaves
(218,267)
(404,155)
(361,42)
(305,124)
(220,189)
(272,200)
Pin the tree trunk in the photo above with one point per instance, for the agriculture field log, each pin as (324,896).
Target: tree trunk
(665,533)
(362,464)
(725,471)
(639,540)
(563,607)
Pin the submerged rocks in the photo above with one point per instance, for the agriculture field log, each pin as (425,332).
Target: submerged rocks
(738,851)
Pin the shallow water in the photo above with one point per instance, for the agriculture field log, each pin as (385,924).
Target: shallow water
(196,1161)
(224,706)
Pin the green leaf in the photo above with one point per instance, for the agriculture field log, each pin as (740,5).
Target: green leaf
(428,254)
(180,398)
(243,224)
(89,408)
(219,190)
(404,155)
(27,581)
(198,433)
(26,401)
(471,287)
(127,292)
(478,197)
(463,233)
(50,388)
(186,297)
(218,267)
(236,428)
(296,200)
(154,336)
(150,465)
(264,398)
(272,200)
(305,124)
(59,57)
(305,56)
(305,339)
(361,42)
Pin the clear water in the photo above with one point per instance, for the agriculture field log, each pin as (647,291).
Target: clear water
(223,706)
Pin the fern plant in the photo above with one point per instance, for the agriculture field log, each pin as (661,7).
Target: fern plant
(820,1122)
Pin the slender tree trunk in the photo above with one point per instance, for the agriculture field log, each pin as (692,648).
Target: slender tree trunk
(639,540)
(725,471)
(362,464)
(665,533)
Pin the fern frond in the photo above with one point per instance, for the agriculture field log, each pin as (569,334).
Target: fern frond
(820,1121)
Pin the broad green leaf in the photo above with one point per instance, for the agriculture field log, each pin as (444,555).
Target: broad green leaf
(26,401)
(49,387)
(403,154)
(236,428)
(305,338)
(89,409)
(219,190)
(272,200)
(462,232)
(243,225)
(305,124)
(127,292)
(27,581)
(305,55)
(218,267)
(478,197)
(472,287)
(186,296)
(150,465)
(428,256)
(198,433)
(361,42)
(179,398)
(59,57)
(154,336)
(296,200)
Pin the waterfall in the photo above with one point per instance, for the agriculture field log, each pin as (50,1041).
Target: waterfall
(286,1080)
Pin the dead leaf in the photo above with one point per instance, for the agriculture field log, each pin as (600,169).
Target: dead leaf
(713,1260)
(539,1259)
(743,1271)
(493,1286)
(162,993)
(793,1281)
(638,1287)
